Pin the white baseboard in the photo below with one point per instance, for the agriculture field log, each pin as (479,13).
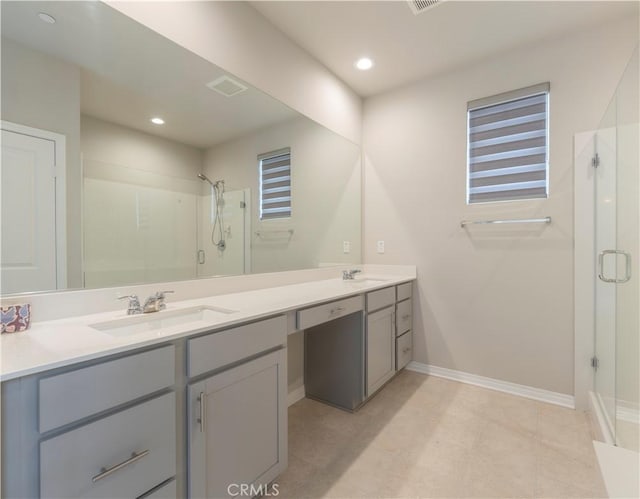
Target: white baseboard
(294,395)
(628,411)
(599,420)
(529,392)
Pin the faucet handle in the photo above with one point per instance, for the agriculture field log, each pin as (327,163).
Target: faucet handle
(134,304)
(132,298)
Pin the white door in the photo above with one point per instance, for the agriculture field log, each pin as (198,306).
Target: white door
(28,213)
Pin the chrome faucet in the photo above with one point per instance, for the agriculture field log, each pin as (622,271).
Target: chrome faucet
(134,304)
(348,275)
(155,302)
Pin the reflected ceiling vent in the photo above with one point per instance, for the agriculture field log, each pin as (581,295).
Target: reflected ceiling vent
(420,6)
(226,86)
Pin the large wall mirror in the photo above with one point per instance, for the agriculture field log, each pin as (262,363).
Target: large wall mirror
(94,194)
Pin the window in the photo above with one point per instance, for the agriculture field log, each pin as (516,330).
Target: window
(275,184)
(508,146)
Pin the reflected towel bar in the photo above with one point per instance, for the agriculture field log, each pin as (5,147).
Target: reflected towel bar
(545,220)
(261,233)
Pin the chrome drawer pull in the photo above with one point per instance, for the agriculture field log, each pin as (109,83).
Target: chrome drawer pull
(405,317)
(203,412)
(406,350)
(105,472)
(336,310)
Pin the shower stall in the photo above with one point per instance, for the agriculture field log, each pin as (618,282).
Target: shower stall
(616,180)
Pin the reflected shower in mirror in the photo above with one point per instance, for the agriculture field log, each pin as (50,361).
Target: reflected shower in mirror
(157,153)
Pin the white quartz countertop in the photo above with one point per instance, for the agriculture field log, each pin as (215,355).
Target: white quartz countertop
(57,343)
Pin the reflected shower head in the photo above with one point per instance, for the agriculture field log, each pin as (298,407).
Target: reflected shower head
(202,176)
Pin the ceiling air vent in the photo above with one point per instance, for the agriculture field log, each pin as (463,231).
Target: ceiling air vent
(226,86)
(419,6)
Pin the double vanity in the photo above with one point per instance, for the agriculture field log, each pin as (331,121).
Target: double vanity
(190,401)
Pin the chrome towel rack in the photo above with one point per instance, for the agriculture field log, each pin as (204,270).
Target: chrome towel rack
(274,232)
(545,220)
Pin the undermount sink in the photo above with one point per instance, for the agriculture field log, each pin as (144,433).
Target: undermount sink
(365,280)
(160,320)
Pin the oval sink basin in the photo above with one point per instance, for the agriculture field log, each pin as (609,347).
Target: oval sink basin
(159,320)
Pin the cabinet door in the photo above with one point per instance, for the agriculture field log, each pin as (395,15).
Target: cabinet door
(381,343)
(238,428)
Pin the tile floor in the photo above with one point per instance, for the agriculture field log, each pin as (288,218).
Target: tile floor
(423,436)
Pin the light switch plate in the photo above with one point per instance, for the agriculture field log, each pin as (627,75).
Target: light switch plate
(346,246)
(380,247)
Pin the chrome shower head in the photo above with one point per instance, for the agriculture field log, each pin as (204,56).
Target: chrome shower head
(202,176)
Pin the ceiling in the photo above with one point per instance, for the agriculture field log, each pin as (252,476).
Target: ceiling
(129,74)
(406,47)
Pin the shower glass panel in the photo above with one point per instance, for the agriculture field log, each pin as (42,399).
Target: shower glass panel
(234,259)
(627,240)
(138,226)
(617,226)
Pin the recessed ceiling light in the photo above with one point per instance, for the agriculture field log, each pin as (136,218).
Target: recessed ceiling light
(47,18)
(157,121)
(364,63)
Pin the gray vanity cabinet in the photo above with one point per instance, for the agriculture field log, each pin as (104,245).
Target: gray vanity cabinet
(381,338)
(237,416)
(102,429)
(404,325)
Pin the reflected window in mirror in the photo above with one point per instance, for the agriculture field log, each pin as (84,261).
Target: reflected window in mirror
(275,184)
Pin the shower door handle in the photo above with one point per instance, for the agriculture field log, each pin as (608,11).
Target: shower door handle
(627,267)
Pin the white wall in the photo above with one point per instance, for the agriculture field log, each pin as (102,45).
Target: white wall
(497,302)
(236,37)
(44,92)
(325,169)
(119,145)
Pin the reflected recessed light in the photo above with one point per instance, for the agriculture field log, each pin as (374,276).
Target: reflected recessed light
(364,63)
(47,18)
(157,121)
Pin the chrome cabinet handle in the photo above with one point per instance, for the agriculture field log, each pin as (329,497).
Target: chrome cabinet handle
(105,472)
(406,350)
(405,317)
(203,412)
(201,257)
(627,272)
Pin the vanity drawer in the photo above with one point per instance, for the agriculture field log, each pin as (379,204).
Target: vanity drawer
(403,291)
(73,464)
(313,316)
(381,298)
(404,350)
(71,396)
(168,490)
(219,349)
(403,317)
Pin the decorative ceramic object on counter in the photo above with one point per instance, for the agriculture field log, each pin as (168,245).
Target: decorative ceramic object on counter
(15,318)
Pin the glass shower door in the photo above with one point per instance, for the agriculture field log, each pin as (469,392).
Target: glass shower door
(617,235)
(605,291)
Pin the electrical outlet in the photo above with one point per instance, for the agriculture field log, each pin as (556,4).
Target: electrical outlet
(380,247)
(346,247)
